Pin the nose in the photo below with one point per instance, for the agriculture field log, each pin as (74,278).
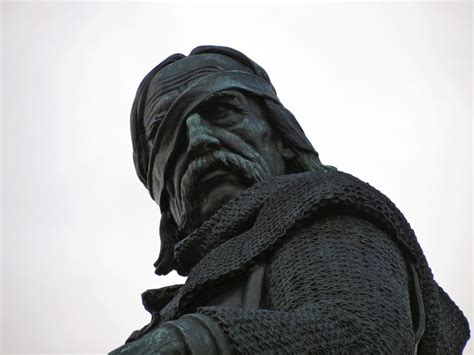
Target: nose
(200,136)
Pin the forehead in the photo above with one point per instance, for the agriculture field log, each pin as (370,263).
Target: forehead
(173,79)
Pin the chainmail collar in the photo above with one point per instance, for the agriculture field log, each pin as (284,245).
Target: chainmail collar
(232,219)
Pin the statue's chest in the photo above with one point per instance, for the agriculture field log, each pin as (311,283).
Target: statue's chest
(246,292)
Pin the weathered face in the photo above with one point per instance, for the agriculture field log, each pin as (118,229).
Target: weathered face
(226,144)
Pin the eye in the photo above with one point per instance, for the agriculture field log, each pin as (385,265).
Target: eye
(216,109)
(223,109)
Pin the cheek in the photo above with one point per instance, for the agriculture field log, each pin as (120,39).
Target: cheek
(254,131)
(263,136)
(274,160)
(266,144)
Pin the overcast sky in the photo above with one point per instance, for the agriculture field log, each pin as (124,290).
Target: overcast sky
(383,91)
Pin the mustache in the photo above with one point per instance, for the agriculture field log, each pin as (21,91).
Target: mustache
(249,171)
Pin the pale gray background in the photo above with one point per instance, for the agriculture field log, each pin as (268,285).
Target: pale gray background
(382,90)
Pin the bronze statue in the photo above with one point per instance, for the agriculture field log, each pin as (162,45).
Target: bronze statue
(283,254)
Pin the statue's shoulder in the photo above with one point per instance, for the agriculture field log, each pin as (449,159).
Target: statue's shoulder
(329,181)
(308,195)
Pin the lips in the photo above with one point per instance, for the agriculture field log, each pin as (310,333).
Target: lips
(215,179)
(212,175)
(204,167)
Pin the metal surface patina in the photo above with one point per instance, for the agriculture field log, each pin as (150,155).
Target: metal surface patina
(283,254)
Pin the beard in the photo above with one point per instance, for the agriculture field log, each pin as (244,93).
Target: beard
(186,202)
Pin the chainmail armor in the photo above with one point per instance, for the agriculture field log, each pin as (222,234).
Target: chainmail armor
(337,282)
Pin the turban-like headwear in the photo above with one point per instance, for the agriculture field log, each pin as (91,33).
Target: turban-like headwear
(192,80)
(207,71)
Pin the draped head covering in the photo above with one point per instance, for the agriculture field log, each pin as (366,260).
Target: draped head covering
(166,97)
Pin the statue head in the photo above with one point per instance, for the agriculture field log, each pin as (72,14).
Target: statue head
(204,127)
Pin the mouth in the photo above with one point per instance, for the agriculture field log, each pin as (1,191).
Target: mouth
(205,168)
(211,180)
(213,175)
(214,171)
(215,180)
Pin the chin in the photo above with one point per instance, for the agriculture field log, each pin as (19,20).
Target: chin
(216,197)
(207,201)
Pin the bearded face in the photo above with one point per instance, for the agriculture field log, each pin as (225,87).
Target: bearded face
(207,135)
(225,145)
(201,133)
